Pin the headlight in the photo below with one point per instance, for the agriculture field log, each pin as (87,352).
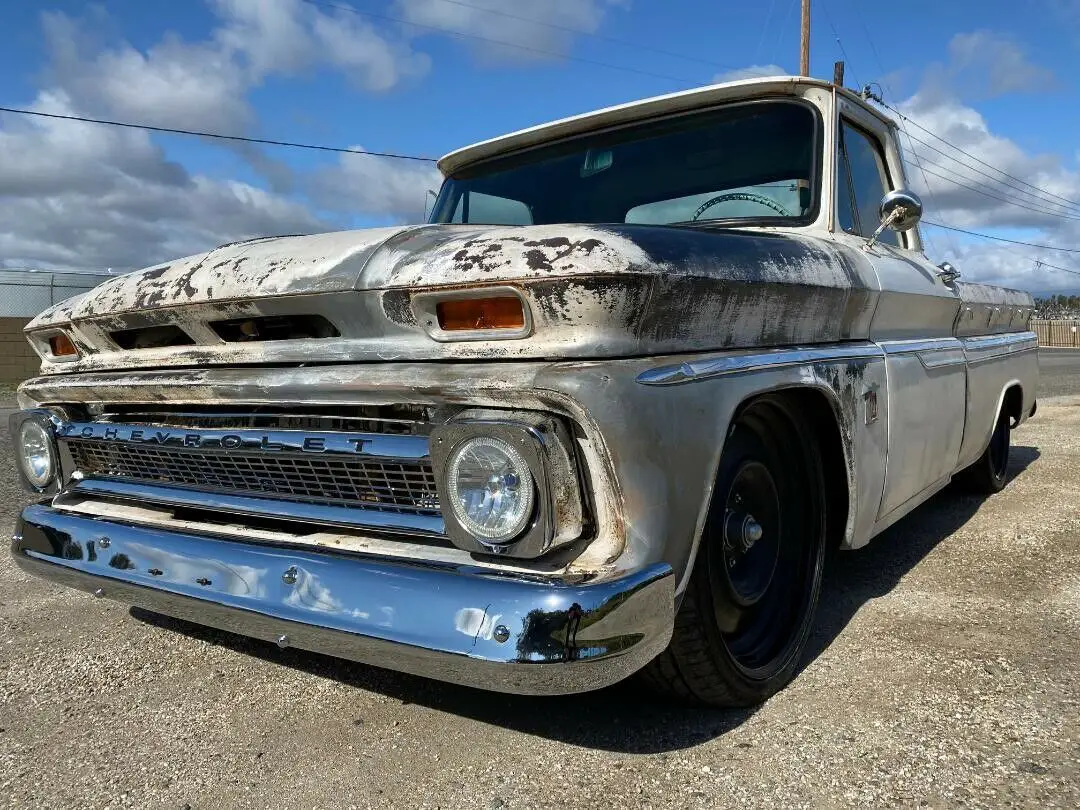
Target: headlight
(491,489)
(507,482)
(36,455)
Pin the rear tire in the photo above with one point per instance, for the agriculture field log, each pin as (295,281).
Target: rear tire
(749,604)
(990,473)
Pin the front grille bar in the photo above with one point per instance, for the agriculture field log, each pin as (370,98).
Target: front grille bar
(363,479)
(429,526)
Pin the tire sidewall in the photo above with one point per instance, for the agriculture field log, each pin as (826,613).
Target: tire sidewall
(752,690)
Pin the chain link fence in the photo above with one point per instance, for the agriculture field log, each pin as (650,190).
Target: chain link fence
(25,293)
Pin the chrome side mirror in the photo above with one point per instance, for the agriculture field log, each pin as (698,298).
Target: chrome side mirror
(900,211)
(948,273)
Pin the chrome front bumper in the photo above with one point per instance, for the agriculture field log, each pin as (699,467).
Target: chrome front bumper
(467,626)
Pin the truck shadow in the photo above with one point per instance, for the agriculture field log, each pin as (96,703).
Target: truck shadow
(624,718)
(854,578)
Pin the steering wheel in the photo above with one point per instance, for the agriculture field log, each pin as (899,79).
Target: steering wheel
(747,196)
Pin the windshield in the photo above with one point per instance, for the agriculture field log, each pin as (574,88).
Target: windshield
(745,163)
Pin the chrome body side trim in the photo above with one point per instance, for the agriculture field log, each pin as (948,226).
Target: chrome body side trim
(754,361)
(509,634)
(991,347)
(322,514)
(919,346)
(940,358)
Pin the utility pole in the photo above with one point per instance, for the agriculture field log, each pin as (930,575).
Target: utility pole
(804,48)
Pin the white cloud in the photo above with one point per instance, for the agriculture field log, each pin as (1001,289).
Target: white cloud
(375,186)
(174,83)
(89,196)
(543,25)
(982,64)
(995,64)
(204,84)
(1054,222)
(86,196)
(288,37)
(749,72)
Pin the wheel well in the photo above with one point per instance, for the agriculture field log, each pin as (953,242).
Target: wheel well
(1013,404)
(814,407)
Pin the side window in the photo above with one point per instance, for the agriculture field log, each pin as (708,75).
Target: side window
(862,180)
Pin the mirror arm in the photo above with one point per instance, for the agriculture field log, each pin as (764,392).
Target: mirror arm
(948,273)
(894,215)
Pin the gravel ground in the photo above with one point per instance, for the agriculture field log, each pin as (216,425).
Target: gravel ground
(943,671)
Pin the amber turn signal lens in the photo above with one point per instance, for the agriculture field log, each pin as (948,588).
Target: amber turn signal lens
(61,346)
(506,312)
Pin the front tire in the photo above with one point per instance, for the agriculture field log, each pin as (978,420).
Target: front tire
(749,605)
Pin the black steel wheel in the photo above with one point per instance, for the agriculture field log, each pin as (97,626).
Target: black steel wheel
(749,605)
(990,473)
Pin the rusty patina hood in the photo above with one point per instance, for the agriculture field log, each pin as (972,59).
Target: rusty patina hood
(594,291)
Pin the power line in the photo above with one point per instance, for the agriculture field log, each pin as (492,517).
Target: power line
(593,34)
(954,174)
(216,135)
(836,35)
(1039,262)
(1000,199)
(503,43)
(764,30)
(1000,238)
(885,89)
(979,160)
(783,26)
(989,176)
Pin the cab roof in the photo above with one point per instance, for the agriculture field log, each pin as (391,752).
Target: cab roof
(640,110)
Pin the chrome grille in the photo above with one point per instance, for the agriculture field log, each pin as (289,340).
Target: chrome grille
(380,484)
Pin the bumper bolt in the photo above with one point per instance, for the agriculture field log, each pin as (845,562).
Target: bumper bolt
(98,592)
(104,542)
(501,634)
(290,576)
(282,641)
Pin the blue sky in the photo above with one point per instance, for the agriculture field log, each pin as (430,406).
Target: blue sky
(1000,81)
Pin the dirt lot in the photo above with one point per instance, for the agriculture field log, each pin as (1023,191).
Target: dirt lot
(945,669)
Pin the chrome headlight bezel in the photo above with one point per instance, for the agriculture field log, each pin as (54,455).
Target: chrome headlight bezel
(46,422)
(544,444)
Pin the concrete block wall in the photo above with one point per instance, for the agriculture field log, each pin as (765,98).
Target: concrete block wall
(17,359)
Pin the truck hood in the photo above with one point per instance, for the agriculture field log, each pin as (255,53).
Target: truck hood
(433,255)
(258,268)
(593,291)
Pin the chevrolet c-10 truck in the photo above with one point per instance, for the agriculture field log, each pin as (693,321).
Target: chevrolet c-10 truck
(607,412)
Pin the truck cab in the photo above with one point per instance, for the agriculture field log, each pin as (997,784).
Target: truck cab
(603,414)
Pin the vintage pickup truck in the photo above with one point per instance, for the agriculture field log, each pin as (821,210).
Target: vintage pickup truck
(607,411)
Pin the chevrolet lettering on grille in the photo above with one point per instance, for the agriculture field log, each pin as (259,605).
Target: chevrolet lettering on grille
(262,440)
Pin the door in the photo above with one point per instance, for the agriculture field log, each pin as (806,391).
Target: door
(925,369)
